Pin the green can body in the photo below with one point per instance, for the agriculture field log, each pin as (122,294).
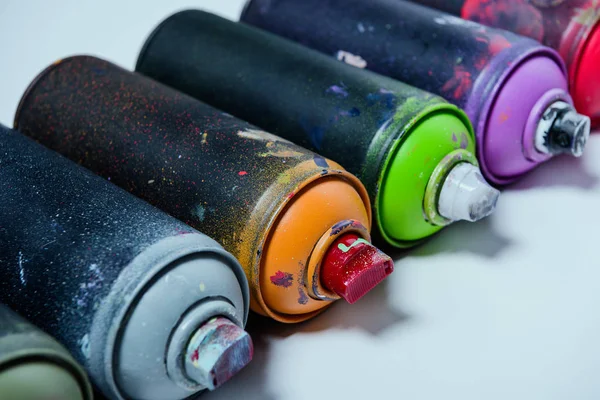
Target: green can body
(391,135)
(34,366)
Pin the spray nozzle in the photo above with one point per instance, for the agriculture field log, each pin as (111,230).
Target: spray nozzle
(352,267)
(465,194)
(562,130)
(218,350)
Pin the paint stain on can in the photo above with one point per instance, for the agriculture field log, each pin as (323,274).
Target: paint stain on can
(283,279)
(302,297)
(320,161)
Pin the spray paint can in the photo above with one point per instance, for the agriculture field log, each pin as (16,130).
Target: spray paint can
(414,152)
(34,366)
(150,307)
(277,207)
(513,89)
(570,26)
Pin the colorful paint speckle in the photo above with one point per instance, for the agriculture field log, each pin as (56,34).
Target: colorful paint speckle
(350,116)
(282,279)
(207,168)
(437,52)
(66,249)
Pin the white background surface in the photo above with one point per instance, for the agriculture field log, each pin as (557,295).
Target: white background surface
(503,309)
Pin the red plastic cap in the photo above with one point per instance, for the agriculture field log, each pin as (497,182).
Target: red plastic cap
(353,266)
(586,90)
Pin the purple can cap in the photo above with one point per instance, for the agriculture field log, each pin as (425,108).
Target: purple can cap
(506,124)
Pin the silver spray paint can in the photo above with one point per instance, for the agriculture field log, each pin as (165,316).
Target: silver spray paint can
(150,307)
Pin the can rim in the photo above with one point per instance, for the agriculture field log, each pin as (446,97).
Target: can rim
(50,356)
(402,133)
(489,85)
(267,221)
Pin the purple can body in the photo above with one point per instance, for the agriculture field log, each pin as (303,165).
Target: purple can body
(503,81)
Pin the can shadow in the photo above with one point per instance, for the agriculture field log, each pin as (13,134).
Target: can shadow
(251,382)
(479,238)
(563,171)
(372,313)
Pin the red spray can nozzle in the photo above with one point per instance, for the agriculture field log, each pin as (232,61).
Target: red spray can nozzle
(352,267)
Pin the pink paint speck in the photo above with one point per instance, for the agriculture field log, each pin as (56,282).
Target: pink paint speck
(242,173)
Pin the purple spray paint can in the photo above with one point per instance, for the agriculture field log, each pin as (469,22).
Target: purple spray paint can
(513,89)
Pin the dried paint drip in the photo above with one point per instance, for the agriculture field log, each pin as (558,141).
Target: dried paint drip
(216,352)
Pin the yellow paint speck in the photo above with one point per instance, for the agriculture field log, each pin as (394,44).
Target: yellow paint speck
(202,287)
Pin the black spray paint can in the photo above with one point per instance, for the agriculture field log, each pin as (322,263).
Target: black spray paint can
(394,137)
(513,89)
(278,208)
(127,289)
(34,366)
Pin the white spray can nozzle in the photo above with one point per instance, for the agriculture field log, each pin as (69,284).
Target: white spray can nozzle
(465,195)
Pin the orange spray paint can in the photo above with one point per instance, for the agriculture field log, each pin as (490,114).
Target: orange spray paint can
(298,223)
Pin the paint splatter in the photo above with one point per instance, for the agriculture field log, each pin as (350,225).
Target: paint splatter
(351,59)
(199,211)
(281,152)
(85,294)
(242,173)
(452,20)
(195,356)
(84,345)
(302,297)
(353,112)
(460,84)
(283,279)
(340,226)
(346,249)
(256,134)
(339,91)
(464,141)
(22,270)
(362,28)
(320,161)
(204,136)
(387,99)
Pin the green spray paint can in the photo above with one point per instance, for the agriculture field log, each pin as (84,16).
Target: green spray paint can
(34,366)
(414,152)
